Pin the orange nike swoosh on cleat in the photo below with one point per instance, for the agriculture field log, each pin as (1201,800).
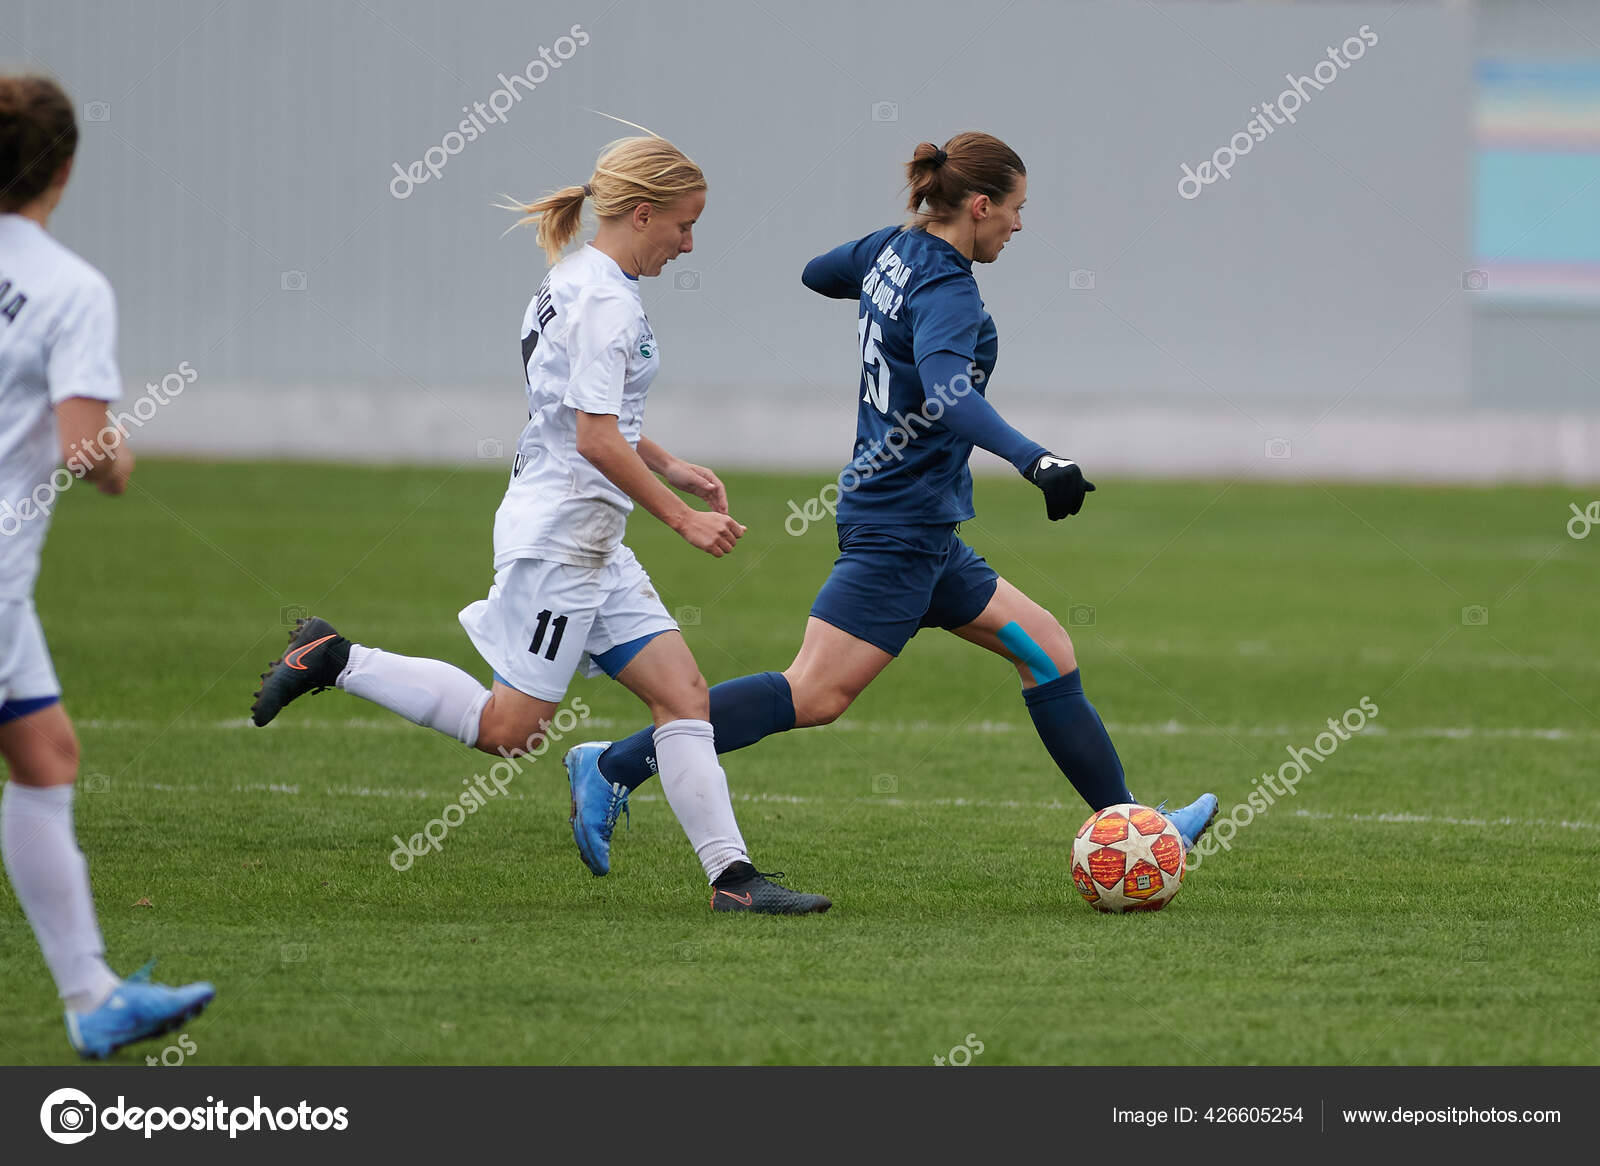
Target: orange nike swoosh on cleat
(745,898)
(293,658)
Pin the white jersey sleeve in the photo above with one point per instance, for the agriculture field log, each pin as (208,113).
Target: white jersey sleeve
(82,358)
(603,329)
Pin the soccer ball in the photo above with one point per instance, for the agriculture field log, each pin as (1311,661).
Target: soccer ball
(1127,858)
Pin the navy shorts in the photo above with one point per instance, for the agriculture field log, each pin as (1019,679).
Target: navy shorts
(891,581)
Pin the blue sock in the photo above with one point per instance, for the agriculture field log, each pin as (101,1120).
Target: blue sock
(1076,738)
(742,712)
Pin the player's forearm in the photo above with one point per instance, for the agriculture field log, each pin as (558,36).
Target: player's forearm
(88,448)
(655,456)
(604,447)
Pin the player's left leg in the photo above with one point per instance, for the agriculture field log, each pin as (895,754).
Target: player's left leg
(51,879)
(664,675)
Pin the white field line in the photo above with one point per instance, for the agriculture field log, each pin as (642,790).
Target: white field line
(413,793)
(979,728)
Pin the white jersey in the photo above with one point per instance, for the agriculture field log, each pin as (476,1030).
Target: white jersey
(587,346)
(58,339)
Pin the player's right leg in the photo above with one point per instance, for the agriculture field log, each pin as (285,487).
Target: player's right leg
(521,629)
(51,879)
(1022,631)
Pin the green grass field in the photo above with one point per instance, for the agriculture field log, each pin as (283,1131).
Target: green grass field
(1428,896)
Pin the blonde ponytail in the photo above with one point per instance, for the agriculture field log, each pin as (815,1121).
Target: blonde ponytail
(628,172)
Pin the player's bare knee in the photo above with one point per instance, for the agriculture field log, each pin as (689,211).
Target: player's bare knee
(688,700)
(53,765)
(504,735)
(67,757)
(1057,644)
(1066,660)
(510,742)
(820,707)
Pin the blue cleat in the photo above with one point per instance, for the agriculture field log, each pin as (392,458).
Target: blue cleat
(596,805)
(136,1011)
(1192,820)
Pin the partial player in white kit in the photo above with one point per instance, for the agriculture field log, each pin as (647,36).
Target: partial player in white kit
(58,370)
(567,593)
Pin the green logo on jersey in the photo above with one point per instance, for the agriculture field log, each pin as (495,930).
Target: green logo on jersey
(645,350)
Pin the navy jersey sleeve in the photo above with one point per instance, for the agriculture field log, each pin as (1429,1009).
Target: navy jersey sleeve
(946,313)
(968,414)
(837,274)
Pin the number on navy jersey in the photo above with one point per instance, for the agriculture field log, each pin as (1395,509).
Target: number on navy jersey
(875,369)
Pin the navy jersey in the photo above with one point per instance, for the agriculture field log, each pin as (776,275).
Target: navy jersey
(917,298)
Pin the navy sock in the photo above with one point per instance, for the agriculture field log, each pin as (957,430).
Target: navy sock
(742,712)
(1076,738)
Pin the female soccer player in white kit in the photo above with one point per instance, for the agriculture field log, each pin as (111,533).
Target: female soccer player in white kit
(567,593)
(58,369)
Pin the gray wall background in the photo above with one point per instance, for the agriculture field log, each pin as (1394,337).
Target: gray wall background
(1316,295)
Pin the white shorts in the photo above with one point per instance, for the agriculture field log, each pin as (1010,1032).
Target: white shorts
(543,620)
(25,669)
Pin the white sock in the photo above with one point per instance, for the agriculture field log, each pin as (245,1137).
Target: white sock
(51,879)
(697,790)
(425,692)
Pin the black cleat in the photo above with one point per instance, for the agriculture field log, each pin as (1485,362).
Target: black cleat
(743,888)
(312,662)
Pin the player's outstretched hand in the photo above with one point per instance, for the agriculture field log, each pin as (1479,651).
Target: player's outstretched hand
(710,532)
(1063,484)
(700,482)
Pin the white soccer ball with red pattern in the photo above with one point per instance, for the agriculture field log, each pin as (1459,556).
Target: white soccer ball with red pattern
(1127,858)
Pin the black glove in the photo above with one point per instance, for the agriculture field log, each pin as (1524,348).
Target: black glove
(1063,484)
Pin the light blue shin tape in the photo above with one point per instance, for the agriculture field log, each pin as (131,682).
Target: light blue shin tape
(1021,645)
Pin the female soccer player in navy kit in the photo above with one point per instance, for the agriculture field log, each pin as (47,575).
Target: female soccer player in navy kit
(568,593)
(928,349)
(58,371)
